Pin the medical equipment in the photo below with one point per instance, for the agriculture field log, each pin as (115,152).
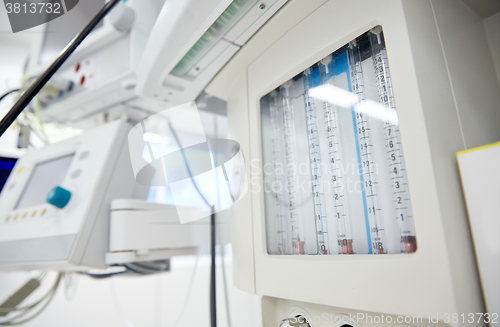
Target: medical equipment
(40,83)
(167,64)
(6,166)
(93,86)
(479,180)
(75,206)
(147,231)
(81,179)
(341,113)
(404,65)
(192,40)
(55,207)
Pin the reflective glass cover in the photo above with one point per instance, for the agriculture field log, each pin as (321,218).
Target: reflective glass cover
(334,173)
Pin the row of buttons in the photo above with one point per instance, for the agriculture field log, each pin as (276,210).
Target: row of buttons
(25,215)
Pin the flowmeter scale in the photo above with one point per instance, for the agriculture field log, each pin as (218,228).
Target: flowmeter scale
(334,173)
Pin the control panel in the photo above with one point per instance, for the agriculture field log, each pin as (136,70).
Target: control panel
(54,209)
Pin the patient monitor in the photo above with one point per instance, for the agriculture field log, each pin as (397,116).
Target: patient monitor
(55,205)
(77,204)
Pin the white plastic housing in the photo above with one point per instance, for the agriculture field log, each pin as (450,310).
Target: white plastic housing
(103,67)
(179,26)
(141,231)
(139,225)
(434,49)
(76,236)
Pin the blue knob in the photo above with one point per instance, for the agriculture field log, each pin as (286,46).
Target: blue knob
(58,197)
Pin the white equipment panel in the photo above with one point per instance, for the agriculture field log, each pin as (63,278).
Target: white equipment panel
(478,169)
(95,168)
(192,40)
(102,72)
(440,110)
(141,231)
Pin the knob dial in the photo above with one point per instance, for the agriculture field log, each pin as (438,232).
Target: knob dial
(58,197)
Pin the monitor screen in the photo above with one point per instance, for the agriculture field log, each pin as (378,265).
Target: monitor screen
(6,166)
(45,176)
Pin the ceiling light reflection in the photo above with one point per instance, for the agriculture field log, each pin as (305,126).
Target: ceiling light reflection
(345,99)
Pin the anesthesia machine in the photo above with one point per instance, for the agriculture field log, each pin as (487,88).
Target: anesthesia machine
(347,117)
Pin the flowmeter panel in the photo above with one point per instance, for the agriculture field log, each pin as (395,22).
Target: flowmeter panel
(333,168)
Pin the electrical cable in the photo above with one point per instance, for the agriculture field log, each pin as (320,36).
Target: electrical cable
(222,252)
(40,310)
(29,307)
(9,92)
(224,280)
(103,276)
(41,275)
(144,268)
(40,278)
(48,297)
(213,290)
(213,295)
(135,268)
(40,82)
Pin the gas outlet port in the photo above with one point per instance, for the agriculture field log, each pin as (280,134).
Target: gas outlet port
(297,321)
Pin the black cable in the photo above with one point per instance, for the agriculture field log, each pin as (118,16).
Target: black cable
(213,293)
(136,270)
(145,268)
(10,92)
(213,300)
(103,276)
(40,82)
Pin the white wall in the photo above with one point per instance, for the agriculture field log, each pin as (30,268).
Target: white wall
(146,301)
